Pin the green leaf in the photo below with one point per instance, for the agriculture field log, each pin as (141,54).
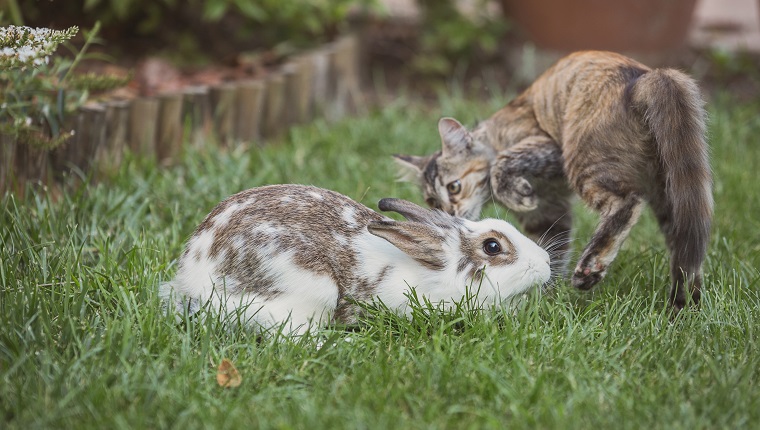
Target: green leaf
(90,4)
(213,10)
(251,10)
(121,8)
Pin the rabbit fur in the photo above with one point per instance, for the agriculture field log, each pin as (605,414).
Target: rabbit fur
(291,255)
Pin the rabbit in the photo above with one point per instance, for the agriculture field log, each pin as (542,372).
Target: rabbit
(293,256)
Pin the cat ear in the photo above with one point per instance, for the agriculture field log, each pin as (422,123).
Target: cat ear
(454,137)
(410,166)
(421,242)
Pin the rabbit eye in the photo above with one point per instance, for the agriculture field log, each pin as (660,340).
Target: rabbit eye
(433,203)
(454,187)
(491,247)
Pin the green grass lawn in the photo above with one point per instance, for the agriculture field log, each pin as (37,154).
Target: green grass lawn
(83,343)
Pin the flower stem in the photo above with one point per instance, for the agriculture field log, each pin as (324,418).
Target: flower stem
(15,14)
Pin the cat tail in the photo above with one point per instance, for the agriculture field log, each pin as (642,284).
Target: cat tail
(674,111)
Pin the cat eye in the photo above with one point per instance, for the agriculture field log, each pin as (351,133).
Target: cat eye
(454,187)
(491,247)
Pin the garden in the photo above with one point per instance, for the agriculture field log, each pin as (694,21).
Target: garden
(88,235)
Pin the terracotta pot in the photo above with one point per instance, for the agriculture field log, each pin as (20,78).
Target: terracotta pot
(631,25)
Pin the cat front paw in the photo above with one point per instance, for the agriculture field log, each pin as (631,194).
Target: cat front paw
(515,192)
(586,276)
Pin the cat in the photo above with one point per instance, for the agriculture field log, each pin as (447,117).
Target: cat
(600,125)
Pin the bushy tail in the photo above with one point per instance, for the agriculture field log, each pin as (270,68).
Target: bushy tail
(674,111)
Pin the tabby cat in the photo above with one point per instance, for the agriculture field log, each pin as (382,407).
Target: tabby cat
(602,126)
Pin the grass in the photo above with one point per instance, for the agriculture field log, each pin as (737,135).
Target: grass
(83,343)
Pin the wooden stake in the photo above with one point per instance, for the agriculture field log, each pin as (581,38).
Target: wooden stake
(61,156)
(196,111)
(322,88)
(169,126)
(223,106)
(274,105)
(8,177)
(117,133)
(90,147)
(348,87)
(305,100)
(143,120)
(31,165)
(290,108)
(250,106)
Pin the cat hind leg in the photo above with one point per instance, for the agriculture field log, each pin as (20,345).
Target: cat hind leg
(618,215)
(685,262)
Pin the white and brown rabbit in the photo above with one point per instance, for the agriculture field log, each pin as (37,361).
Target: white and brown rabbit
(294,254)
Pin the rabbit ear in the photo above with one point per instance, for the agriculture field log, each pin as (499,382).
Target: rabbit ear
(454,137)
(409,210)
(416,213)
(419,241)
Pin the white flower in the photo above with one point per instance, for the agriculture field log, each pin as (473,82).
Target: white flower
(26,45)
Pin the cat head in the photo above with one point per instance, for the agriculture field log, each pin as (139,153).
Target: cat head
(455,179)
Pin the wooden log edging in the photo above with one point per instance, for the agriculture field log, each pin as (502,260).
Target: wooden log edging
(346,82)
(303,101)
(249,108)
(143,122)
(169,128)
(91,131)
(8,147)
(224,112)
(323,82)
(196,113)
(321,85)
(273,120)
(117,134)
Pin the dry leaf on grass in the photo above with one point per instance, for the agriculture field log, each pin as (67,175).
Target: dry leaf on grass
(227,375)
